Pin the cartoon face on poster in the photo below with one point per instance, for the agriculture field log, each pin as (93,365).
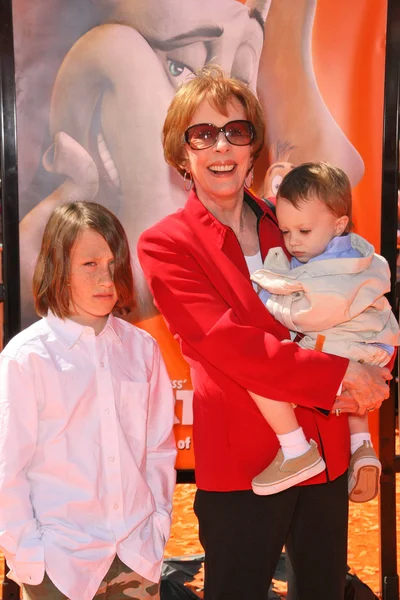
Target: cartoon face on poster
(94,81)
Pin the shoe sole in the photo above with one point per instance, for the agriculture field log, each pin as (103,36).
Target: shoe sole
(268,489)
(366,486)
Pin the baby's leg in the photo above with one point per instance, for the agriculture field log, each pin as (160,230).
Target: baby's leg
(359,431)
(365,468)
(280,416)
(297,460)
(358,424)
(282,419)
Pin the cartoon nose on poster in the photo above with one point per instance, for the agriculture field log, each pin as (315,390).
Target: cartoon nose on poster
(94,81)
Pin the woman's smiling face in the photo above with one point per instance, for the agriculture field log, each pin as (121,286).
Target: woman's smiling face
(219,172)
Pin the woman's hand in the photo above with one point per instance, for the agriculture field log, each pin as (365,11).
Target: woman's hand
(364,388)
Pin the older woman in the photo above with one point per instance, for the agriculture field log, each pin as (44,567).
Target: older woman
(197,263)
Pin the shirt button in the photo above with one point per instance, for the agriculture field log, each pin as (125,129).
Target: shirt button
(116,506)
(102,365)
(107,411)
(111,458)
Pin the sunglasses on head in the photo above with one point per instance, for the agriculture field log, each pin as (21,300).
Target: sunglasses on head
(205,135)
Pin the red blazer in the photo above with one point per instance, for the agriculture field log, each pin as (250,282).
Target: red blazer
(200,282)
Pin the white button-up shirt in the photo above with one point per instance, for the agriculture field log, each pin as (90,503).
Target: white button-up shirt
(87,453)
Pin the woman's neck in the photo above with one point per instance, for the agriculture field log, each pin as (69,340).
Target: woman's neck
(229,211)
(236,214)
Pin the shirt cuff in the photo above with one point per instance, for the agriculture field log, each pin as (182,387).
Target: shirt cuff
(28,566)
(30,573)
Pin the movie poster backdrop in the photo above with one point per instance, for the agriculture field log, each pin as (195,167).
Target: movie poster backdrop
(94,80)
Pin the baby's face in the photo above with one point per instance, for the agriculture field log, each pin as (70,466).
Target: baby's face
(308,229)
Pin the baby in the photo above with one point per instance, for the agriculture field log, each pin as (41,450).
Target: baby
(330,293)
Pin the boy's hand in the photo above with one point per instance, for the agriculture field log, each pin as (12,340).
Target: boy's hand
(364,388)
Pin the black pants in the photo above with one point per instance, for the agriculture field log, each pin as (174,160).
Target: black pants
(243,535)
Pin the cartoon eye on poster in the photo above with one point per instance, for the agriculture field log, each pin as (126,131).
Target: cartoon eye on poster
(95,79)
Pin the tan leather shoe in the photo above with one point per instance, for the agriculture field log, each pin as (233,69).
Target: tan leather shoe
(283,474)
(364,474)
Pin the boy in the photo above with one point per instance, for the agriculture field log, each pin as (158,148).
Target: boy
(86,413)
(331,293)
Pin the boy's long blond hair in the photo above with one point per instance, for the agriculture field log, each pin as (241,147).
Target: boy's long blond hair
(51,278)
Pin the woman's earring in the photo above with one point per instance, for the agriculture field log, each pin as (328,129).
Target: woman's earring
(248,185)
(187,176)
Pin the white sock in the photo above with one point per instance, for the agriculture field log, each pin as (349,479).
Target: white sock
(293,444)
(357,440)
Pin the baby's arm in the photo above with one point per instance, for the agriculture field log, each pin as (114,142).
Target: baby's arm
(20,538)
(301,305)
(161,448)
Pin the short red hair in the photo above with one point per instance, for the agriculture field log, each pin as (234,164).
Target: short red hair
(219,90)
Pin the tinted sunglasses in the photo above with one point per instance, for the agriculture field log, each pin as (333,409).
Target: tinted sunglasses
(205,135)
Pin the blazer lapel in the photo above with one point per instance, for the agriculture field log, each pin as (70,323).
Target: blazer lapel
(218,252)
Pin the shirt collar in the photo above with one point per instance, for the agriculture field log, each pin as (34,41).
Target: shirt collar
(340,243)
(195,208)
(70,331)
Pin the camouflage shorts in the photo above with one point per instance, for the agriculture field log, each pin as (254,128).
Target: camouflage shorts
(120,583)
